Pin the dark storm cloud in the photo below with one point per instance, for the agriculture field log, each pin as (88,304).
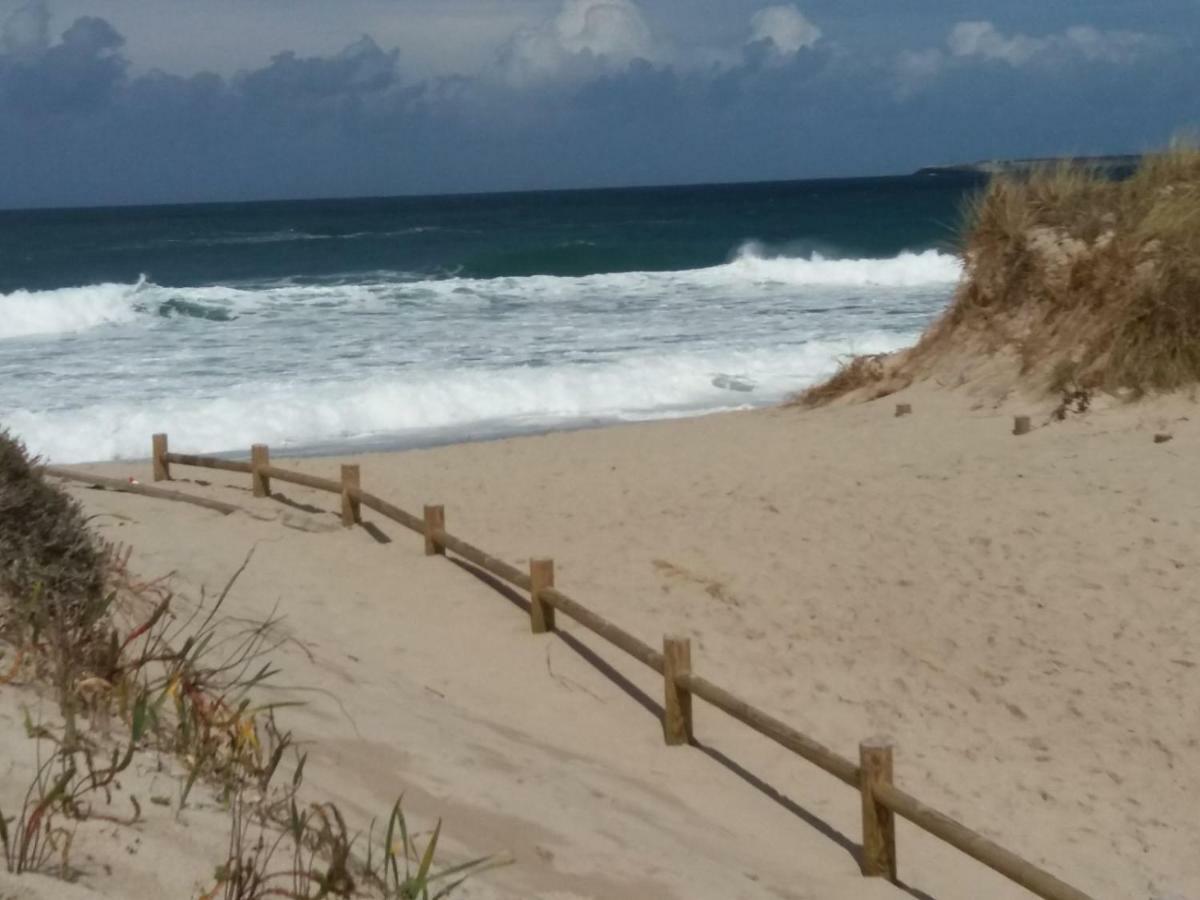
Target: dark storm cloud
(595,92)
(26,31)
(361,69)
(77,74)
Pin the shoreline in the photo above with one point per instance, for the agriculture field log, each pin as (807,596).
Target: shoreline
(930,577)
(433,439)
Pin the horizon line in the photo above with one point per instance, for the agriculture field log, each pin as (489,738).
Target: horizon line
(348,198)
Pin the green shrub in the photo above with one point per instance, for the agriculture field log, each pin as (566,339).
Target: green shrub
(45,545)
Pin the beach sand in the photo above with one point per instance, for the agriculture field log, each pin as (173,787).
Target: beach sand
(1018,613)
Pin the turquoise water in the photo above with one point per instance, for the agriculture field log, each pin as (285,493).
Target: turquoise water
(392,322)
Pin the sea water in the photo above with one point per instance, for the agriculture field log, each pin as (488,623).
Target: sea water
(355,324)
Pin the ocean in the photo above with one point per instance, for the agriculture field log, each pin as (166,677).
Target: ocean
(343,325)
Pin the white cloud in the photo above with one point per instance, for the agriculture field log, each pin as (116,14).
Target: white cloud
(983,40)
(606,33)
(986,41)
(1109,46)
(611,28)
(785,27)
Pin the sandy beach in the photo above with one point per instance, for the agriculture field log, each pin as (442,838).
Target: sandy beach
(678,490)
(1017,613)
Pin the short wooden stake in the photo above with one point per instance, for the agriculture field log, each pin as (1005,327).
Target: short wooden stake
(677,700)
(158,453)
(1021,425)
(541,613)
(260,456)
(435,520)
(903,409)
(878,822)
(351,508)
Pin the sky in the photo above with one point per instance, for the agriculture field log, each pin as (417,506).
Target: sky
(154,101)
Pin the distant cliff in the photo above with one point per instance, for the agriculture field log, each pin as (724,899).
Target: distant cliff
(1118,166)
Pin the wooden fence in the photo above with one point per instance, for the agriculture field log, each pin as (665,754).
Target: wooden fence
(871,776)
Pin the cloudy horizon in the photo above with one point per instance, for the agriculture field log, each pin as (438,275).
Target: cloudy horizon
(143,101)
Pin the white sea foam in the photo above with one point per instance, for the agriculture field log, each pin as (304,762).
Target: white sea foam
(71,310)
(396,358)
(749,270)
(67,310)
(421,403)
(905,270)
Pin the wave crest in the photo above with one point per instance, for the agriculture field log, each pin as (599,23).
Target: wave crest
(66,310)
(908,269)
(75,309)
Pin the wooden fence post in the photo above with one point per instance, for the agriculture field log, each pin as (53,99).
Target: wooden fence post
(351,510)
(541,613)
(878,822)
(260,455)
(158,453)
(435,520)
(677,705)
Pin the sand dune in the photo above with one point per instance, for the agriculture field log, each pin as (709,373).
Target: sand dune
(1018,613)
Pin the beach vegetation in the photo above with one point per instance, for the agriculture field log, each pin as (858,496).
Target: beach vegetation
(856,373)
(65,790)
(53,574)
(184,685)
(45,544)
(1089,283)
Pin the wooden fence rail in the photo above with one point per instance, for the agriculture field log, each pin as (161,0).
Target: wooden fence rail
(300,478)
(871,776)
(207,462)
(129,487)
(395,513)
(485,561)
(816,753)
(975,845)
(615,635)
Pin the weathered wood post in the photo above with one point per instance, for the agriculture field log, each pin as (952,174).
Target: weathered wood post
(260,457)
(158,453)
(351,508)
(1021,425)
(878,822)
(435,521)
(541,613)
(677,701)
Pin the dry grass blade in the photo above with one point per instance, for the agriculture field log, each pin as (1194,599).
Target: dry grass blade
(1069,270)
(185,686)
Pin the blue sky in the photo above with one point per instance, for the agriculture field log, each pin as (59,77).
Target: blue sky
(128,101)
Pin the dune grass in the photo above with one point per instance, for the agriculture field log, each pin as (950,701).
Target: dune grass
(181,685)
(1101,274)
(1092,283)
(855,374)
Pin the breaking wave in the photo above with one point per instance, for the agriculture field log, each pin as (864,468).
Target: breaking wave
(67,310)
(907,269)
(429,405)
(76,309)
(398,359)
